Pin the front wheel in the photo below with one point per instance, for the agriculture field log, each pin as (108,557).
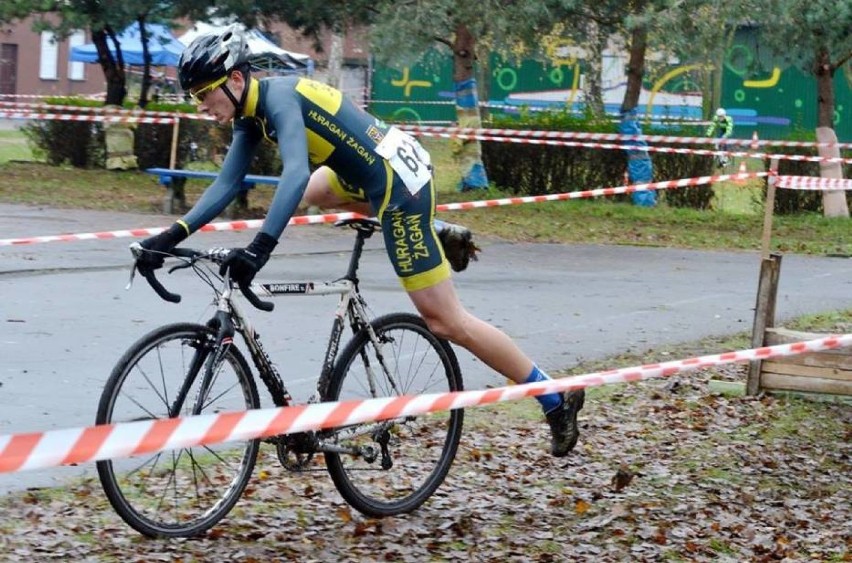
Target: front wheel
(394,466)
(181,492)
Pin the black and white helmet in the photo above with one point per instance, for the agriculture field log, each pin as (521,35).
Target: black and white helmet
(212,56)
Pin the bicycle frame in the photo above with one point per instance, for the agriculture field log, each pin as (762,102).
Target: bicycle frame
(230,317)
(388,355)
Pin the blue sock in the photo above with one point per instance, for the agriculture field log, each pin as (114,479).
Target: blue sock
(548,402)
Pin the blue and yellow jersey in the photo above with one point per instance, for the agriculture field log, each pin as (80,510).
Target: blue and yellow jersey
(313,123)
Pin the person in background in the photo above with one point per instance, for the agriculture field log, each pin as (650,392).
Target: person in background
(721,127)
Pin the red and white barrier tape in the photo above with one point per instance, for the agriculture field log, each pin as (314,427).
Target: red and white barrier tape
(39,450)
(665,185)
(111,110)
(610,146)
(29,96)
(812,183)
(609,136)
(148,231)
(432,130)
(72,117)
(332,217)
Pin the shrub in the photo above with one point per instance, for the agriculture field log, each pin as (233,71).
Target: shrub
(80,144)
(671,166)
(531,169)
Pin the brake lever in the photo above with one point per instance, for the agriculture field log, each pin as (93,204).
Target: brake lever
(136,250)
(132,275)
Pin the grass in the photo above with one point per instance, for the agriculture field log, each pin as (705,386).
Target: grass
(733,225)
(13,146)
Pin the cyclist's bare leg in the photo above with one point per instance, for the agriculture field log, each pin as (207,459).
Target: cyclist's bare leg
(444,314)
(319,193)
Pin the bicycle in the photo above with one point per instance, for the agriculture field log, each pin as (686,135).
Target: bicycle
(721,159)
(381,469)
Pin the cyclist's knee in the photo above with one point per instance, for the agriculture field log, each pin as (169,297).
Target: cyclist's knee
(452,327)
(318,191)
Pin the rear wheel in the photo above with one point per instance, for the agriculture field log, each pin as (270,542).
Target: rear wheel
(392,467)
(180,492)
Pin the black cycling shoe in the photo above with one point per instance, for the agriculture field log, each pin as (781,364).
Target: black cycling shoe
(458,244)
(563,423)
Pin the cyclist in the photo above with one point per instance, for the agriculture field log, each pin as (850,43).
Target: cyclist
(366,166)
(721,127)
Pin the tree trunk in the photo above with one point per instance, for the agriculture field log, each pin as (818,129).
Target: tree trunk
(146,68)
(635,68)
(593,89)
(833,202)
(468,152)
(113,70)
(463,54)
(335,60)
(825,88)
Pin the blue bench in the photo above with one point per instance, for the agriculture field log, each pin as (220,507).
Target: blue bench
(174,180)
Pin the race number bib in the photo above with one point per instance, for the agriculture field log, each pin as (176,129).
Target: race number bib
(407,158)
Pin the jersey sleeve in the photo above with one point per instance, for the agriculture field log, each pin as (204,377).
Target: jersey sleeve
(229,181)
(729,126)
(285,114)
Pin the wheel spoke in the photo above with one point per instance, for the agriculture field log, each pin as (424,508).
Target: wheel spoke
(185,491)
(404,460)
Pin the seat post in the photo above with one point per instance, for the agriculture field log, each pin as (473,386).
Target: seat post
(355,258)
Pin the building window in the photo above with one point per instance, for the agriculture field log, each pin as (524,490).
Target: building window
(49,57)
(76,70)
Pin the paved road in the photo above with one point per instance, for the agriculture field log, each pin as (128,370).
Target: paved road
(65,316)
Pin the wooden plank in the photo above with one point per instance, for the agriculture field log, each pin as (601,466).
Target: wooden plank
(806,371)
(819,360)
(771,381)
(781,335)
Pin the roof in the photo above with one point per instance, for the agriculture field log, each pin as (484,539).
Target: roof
(163,47)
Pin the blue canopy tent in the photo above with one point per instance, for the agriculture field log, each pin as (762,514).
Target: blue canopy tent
(163,48)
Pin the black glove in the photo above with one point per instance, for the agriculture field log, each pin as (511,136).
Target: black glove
(159,244)
(244,263)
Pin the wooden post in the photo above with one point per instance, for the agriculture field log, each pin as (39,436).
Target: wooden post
(175,200)
(175,136)
(764,314)
(769,209)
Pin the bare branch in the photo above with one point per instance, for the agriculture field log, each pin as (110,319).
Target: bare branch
(444,41)
(842,61)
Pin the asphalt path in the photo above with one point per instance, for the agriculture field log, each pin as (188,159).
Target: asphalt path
(66,317)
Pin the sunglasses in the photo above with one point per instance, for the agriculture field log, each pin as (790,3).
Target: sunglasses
(199,95)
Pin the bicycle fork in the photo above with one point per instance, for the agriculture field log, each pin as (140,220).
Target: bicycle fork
(208,358)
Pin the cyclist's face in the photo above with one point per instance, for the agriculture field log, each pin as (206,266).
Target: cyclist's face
(216,103)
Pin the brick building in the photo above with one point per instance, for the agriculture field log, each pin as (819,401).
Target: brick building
(35,63)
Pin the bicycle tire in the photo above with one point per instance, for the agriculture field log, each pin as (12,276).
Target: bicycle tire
(142,386)
(423,448)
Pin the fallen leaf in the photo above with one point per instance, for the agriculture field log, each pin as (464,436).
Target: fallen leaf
(622,478)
